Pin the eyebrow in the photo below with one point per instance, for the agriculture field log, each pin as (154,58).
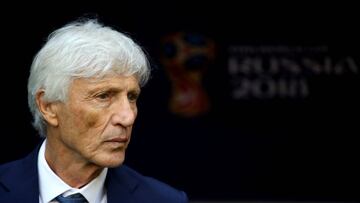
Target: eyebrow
(137,90)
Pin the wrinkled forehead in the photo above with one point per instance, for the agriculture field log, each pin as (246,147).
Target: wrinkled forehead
(111,81)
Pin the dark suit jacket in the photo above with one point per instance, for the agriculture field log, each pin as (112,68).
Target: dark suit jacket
(19,183)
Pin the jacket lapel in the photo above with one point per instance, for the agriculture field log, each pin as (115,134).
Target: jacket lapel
(120,186)
(21,179)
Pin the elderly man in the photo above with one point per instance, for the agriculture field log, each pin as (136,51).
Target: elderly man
(83,88)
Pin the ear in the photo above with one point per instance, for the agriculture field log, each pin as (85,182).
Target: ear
(47,109)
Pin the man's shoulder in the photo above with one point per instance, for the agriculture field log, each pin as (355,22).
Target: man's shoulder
(148,187)
(19,181)
(27,162)
(8,171)
(21,163)
(18,171)
(9,167)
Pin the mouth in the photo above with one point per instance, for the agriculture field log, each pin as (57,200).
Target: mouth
(119,139)
(117,143)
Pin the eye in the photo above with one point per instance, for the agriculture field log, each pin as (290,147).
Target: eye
(133,96)
(103,96)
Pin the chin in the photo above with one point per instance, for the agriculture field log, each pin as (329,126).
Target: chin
(110,164)
(115,164)
(111,161)
(114,161)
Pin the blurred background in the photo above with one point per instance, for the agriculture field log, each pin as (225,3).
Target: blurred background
(247,102)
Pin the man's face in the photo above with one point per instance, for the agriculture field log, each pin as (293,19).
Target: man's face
(95,123)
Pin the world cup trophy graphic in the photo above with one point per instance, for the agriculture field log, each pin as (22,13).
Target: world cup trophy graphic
(186,58)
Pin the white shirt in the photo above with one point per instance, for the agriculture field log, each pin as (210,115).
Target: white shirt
(51,185)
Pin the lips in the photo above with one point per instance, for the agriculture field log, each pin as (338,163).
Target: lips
(118,139)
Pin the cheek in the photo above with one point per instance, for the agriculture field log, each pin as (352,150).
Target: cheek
(88,118)
(91,118)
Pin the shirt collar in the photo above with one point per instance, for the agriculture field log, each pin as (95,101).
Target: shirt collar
(51,185)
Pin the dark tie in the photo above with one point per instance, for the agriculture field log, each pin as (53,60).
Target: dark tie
(75,198)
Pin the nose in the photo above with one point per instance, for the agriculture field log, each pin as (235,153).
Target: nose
(124,114)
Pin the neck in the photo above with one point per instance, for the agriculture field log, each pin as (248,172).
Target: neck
(74,171)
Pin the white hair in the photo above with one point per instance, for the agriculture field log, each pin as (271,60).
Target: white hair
(81,49)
